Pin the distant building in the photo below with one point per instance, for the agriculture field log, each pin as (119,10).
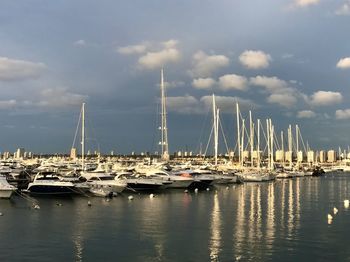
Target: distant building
(73,153)
(6,155)
(331,156)
(279,156)
(310,156)
(323,157)
(300,157)
(289,156)
(19,153)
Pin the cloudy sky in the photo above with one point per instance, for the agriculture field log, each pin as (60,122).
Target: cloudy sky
(284,59)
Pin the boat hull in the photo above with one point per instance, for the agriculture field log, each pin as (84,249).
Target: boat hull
(51,190)
(6,193)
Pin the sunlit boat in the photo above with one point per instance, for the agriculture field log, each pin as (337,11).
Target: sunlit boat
(6,190)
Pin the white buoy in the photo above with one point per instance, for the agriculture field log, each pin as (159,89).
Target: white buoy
(107,200)
(335,210)
(196,190)
(130,197)
(1,214)
(151,196)
(208,188)
(346,203)
(36,206)
(186,191)
(227,188)
(89,203)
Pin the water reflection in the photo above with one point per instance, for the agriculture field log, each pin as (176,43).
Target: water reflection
(215,229)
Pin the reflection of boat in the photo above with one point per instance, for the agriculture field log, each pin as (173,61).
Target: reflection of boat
(48,183)
(6,189)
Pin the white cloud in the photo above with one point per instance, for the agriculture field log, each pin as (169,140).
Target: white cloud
(342,114)
(204,65)
(80,42)
(172,43)
(7,104)
(305,3)
(306,114)
(59,97)
(191,105)
(285,100)
(203,83)
(227,103)
(153,60)
(252,59)
(183,104)
(280,91)
(132,49)
(232,81)
(325,98)
(344,63)
(344,9)
(272,84)
(12,69)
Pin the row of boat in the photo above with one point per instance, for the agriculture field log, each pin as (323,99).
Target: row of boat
(98,180)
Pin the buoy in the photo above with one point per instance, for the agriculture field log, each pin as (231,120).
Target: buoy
(58,204)
(227,188)
(186,191)
(130,197)
(208,188)
(196,190)
(335,210)
(346,203)
(1,214)
(108,199)
(89,203)
(151,196)
(36,206)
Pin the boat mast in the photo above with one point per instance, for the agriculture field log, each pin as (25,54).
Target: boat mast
(290,146)
(297,143)
(215,127)
(83,136)
(164,129)
(251,138)
(268,143)
(258,146)
(282,142)
(271,140)
(242,144)
(238,134)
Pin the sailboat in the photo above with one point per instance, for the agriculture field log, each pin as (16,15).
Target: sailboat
(101,183)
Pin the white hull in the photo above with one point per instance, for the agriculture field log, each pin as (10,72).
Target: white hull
(6,193)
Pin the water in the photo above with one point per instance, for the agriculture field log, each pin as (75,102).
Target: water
(281,221)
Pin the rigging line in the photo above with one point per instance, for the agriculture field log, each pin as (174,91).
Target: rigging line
(206,148)
(77,129)
(202,131)
(223,135)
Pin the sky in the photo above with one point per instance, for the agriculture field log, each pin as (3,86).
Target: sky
(288,60)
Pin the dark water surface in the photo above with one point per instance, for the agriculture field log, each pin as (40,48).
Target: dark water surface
(281,221)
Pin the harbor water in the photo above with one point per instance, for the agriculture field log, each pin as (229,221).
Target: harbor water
(285,220)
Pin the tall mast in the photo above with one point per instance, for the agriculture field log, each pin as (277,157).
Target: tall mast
(297,142)
(215,127)
(83,136)
(271,140)
(290,146)
(242,144)
(238,134)
(282,142)
(164,133)
(258,146)
(251,138)
(268,143)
